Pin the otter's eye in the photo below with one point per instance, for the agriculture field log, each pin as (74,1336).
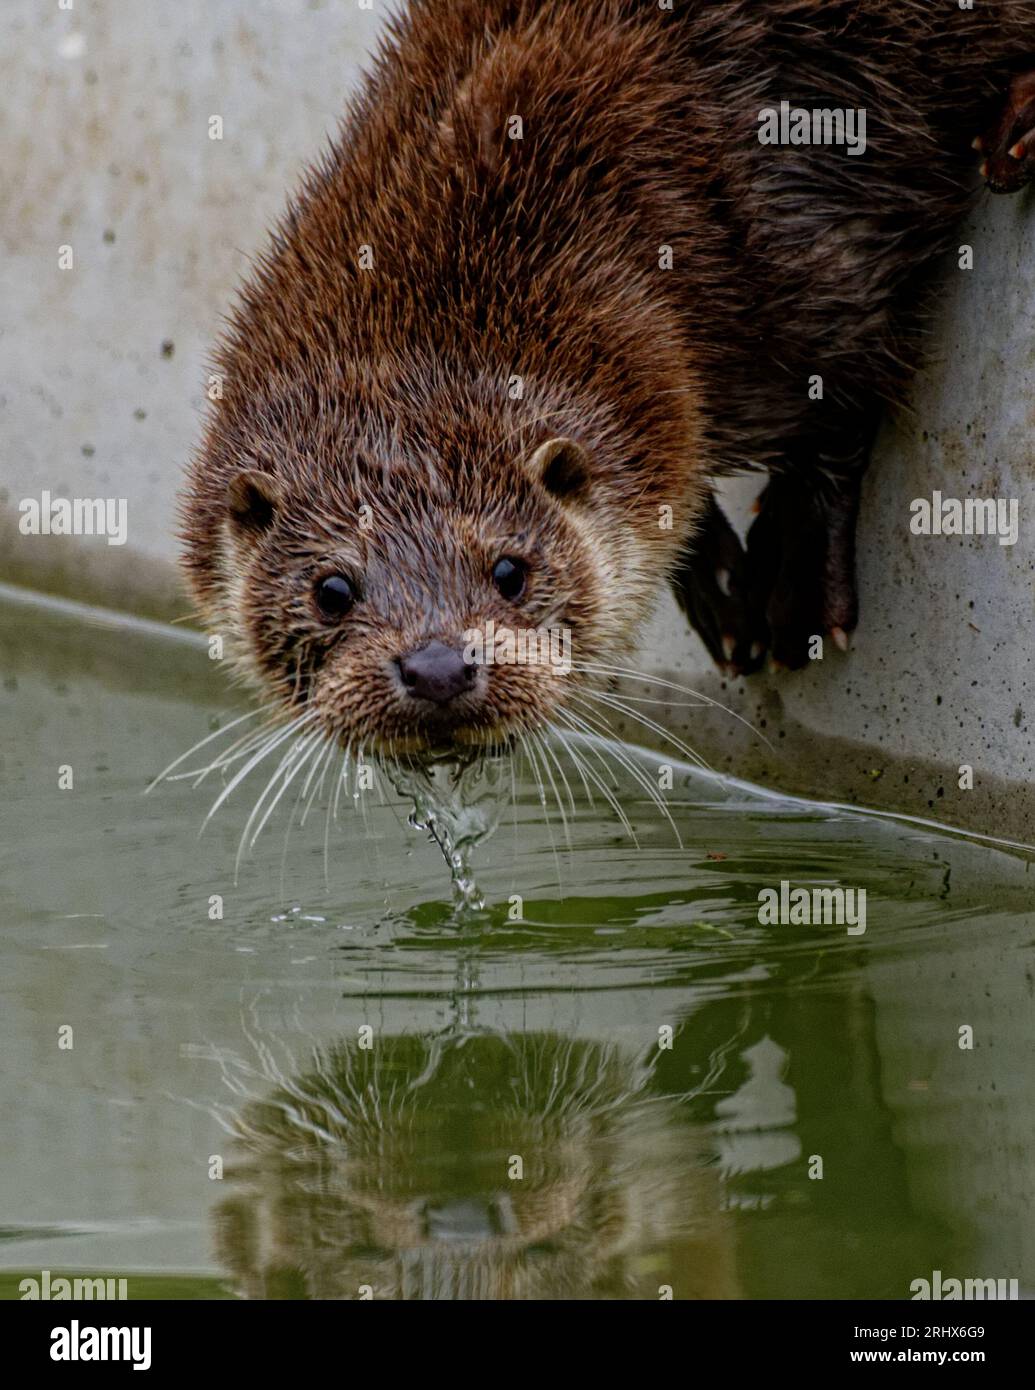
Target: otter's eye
(335,595)
(509,576)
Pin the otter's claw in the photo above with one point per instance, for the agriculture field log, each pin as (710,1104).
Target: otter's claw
(1009,147)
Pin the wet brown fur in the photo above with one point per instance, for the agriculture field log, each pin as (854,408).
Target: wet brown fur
(494,258)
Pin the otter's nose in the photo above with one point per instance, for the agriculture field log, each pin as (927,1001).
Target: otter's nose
(436,672)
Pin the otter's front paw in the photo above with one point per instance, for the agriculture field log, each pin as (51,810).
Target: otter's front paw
(713,588)
(1009,146)
(801,556)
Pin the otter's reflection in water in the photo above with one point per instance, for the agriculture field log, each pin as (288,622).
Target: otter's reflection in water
(472,1167)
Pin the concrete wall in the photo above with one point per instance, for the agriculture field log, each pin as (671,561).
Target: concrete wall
(107,150)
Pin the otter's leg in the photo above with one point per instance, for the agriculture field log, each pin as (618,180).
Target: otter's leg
(801,558)
(713,588)
(1009,146)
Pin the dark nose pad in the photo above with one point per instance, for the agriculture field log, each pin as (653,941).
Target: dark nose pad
(436,672)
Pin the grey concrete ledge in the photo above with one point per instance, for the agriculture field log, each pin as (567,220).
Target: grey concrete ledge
(90,571)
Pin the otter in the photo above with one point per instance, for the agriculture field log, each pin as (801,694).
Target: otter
(547,286)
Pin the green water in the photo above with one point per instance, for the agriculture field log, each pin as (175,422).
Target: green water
(517,1127)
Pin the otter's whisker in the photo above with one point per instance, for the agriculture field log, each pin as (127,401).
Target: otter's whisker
(576,761)
(561,773)
(540,744)
(526,744)
(239,749)
(379,780)
(640,777)
(343,777)
(323,764)
(285,762)
(544,750)
(332,813)
(601,669)
(327,828)
(670,704)
(605,767)
(359,800)
(602,787)
(578,725)
(279,737)
(663,734)
(514,803)
(216,733)
(615,703)
(314,762)
(287,771)
(591,727)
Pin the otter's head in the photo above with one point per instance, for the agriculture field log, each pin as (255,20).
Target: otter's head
(376,503)
(438,588)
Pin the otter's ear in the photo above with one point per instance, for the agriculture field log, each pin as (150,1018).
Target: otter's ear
(562,466)
(252,499)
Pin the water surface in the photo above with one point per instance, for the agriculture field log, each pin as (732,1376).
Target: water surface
(611,1082)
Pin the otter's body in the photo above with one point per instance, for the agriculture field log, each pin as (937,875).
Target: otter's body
(546,284)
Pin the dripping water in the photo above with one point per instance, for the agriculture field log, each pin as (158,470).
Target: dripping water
(458,804)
